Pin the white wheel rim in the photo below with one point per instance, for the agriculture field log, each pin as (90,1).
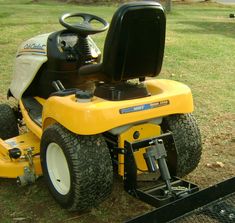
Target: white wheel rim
(58,168)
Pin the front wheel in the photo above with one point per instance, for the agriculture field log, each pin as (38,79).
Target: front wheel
(77,169)
(8,122)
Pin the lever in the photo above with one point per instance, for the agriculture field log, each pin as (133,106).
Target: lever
(58,85)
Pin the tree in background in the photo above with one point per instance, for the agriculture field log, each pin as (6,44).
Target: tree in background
(168,5)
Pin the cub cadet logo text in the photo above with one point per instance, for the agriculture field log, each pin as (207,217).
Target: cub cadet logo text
(35,46)
(144,107)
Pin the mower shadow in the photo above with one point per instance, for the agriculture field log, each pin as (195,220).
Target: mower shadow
(35,204)
(213,28)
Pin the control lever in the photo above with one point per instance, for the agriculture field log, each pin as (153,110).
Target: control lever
(58,85)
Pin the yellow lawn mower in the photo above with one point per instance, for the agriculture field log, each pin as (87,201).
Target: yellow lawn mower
(87,119)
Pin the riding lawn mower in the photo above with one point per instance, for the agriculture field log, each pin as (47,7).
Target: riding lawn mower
(87,118)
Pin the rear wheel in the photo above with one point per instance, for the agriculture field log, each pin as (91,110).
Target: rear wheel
(8,122)
(78,169)
(185,156)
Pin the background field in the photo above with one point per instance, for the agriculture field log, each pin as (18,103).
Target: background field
(200,48)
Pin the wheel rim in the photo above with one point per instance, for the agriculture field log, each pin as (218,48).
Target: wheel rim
(58,169)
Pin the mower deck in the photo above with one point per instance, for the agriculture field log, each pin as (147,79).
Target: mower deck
(11,168)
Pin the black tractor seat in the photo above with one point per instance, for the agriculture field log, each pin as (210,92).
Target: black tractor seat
(134,45)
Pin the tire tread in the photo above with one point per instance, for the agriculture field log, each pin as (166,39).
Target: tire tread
(92,174)
(8,122)
(187,140)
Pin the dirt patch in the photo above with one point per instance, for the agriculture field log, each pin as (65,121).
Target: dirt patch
(217,161)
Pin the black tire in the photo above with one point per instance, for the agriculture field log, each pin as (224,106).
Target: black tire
(89,163)
(186,155)
(8,122)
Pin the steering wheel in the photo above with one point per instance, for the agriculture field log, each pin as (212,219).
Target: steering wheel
(85,28)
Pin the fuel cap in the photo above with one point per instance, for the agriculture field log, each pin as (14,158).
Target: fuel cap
(83,96)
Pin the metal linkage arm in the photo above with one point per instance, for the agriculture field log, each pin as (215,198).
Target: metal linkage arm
(157,153)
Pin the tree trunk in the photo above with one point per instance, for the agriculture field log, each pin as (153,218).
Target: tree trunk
(168,5)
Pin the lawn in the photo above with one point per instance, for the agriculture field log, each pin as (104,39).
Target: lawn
(200,48)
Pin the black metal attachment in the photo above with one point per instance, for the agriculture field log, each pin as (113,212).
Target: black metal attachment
(165,190)
(194,208)
(221,211)
(175,199)
(157,152)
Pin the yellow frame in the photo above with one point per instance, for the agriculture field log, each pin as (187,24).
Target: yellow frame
(147,130)
(98,116)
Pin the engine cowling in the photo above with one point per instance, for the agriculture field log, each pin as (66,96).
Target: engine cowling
(57,52)
(31,55)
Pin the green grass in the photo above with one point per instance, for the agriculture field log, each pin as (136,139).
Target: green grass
(200,51)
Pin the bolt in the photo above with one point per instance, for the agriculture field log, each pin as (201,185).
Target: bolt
(18,181)
(160,141)
(136,135)
(222,212)
(231,216)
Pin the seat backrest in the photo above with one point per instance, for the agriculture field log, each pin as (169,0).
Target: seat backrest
(134,45)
